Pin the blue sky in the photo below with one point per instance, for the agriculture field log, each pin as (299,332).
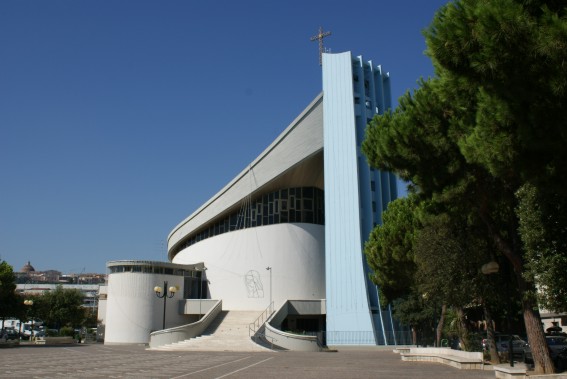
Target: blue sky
(119,118)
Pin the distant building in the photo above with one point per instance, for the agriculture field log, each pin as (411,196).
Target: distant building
(28,274)
(90,291)
(30,281)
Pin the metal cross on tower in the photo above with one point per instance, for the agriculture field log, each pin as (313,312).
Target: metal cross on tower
(319,37)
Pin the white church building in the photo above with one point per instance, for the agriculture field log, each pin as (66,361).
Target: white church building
(283,240)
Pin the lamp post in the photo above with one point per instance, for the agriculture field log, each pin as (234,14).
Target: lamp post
(202,271)
(29,303)
(493,268)
(270,270)
(158,290)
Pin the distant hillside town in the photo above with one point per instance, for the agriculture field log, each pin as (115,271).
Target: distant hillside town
(28,275)
(32,282)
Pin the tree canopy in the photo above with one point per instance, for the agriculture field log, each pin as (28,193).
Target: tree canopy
(61,307)
(488,127)
(8,299)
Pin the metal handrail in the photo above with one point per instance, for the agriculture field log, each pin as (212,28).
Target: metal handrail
(254,326)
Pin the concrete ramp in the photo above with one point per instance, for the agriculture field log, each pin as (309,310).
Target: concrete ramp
(228,332)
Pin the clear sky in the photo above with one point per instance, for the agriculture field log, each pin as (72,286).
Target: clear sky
(119,118)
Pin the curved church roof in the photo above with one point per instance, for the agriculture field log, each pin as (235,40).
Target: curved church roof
(27,268)
(294,159)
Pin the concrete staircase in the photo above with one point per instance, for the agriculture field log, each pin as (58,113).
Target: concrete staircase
(227,332)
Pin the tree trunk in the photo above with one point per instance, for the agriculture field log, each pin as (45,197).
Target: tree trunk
(532,320)
(462,329)
(536,337)
(440,325)
(494,358)
(414,335)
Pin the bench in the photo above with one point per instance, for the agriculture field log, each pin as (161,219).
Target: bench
(464,360)
(507,372)
(55,341)
(401,350)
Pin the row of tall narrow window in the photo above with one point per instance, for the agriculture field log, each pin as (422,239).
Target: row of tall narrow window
(289,205)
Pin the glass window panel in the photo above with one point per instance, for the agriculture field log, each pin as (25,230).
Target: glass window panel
(308,217)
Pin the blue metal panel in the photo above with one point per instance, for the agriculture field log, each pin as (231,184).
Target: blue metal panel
(347,302)
(351,88)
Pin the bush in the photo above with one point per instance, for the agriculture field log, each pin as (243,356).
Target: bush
(67,331)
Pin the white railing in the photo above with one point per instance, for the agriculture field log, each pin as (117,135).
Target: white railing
(185,332)
(254,326)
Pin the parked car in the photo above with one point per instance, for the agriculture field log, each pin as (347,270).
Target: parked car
(561,360)
(9,334)
(27,332)
(557,351)
(502,342)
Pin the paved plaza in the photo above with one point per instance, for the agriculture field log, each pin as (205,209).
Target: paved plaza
(100,361)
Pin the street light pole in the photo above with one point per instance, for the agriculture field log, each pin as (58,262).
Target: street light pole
(270,270)
(158,290)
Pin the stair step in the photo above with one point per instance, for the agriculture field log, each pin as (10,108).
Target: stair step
(228,332)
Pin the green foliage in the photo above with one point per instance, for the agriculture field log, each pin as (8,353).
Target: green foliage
(389,249)
(67,331)
(10,304)
(416,311)
(62,307)
(543,227)
(449,255)
(490,122)
(90,319)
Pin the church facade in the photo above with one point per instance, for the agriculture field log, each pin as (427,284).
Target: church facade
(292,225)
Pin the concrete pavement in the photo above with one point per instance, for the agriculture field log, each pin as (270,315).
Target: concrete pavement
(100,361)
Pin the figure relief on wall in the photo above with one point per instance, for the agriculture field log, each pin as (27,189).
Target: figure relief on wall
(253,284)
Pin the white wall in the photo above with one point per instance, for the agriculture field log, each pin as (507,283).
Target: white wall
(236,264)
(133,310)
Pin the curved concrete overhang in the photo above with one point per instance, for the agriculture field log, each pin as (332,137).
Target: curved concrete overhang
(294,159)
(188,267)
